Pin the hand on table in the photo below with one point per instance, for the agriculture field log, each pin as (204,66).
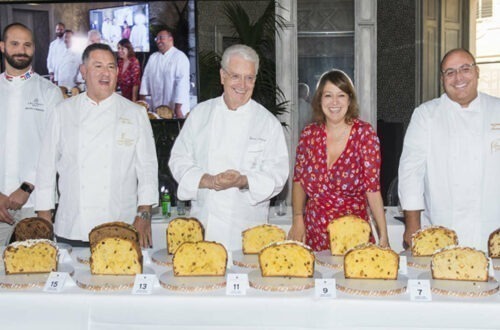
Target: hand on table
(297,233)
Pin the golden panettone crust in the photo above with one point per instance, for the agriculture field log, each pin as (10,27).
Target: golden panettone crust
(181,230)
(257,237)
(426,241)
(30,257)
(201,258)
(369,261)
(460,264)
(287,258)
(347,232)
(494,244)
(113,229)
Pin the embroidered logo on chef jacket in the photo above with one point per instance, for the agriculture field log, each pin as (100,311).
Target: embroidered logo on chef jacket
(495,146)
(124,140)
(35,104)
(125,120)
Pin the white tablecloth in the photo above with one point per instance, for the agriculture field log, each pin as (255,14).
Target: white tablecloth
(76,308)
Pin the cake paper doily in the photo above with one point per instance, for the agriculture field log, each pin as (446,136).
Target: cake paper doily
(324,258)
(83,256)
(245,260)
(85,280)
(191,283)
(462,289)
(26,281)
(281,283)
(496,263)
(416,262)
(162,258)
(65,246)
(371,287)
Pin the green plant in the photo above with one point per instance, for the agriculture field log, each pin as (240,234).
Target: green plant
(260,35)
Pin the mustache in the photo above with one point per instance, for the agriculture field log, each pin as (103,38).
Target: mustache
(21,55)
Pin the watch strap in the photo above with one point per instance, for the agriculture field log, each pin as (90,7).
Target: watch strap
(26,187)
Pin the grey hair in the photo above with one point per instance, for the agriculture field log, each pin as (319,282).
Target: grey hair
(94,32)
(243,51)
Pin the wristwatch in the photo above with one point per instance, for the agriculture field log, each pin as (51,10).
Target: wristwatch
(146,215)
(26,187)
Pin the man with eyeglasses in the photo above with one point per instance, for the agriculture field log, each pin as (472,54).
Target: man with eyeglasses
(231,157)
(450,167)
(166,76)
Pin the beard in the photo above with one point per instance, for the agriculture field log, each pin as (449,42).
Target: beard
(59,34)
(18,63)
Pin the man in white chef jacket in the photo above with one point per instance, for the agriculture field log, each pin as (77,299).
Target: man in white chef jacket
(102,147)
(449,170)
(166,76)
(56,49)
(230,157)
(66,72)
(27,99)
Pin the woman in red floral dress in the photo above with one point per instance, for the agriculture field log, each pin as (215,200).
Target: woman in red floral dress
(337,166)
(129,70)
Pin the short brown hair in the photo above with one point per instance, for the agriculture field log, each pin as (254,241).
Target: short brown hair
(344,83)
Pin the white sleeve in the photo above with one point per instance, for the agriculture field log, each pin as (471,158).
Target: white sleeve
(45,182)
(412,165)
(181,89)
(144,90)
(182,163)
(270,177)
(146,164)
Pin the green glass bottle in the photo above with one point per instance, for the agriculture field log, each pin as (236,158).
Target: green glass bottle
(165,203)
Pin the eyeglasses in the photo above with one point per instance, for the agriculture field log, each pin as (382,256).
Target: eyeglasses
(158,38)
(465,69)
(237,77)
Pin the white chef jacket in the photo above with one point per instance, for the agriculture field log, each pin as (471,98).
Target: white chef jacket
(215,139)
(139,37)
(450,167)
(26,105)
(166,79)
(67,69)
(106,159)
(56,49)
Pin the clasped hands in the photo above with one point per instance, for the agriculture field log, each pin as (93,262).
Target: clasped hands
(225,180)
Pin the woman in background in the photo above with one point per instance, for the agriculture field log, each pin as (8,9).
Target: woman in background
(129,71)
(337,166)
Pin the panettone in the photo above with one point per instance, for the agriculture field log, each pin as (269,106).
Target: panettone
(33,228)
(255,238)
(287,258)
(347,232)
(113,229)
(425,242)
(75,91)
(460,263)
(370,261)
(115,256)
(200,259)
(182,230)
(494,244)
(30,256)
(143,104)
(165,112)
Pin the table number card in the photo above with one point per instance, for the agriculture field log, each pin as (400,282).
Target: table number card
(55,282)
(236,284)
(403,265)
(420,290)
(144,284)
(325,288)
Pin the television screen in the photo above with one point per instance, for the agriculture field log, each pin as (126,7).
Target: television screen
(116,23)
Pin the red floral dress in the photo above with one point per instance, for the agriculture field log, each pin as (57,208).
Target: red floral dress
(130,78)
(340,190)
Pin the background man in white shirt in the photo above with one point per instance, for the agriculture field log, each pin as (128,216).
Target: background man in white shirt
(230,157)
(56,49)
(66,72)
(166,76)
(102,147)
(450,165)
(27,99)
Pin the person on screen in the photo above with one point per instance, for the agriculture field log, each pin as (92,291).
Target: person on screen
(27,101)
(106,30)
(101,145)
(231,157)
(129,70)
(93,37)
(126,30)
(166,76)
(66,73)
(56,49)
(139,35)
(449,171)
